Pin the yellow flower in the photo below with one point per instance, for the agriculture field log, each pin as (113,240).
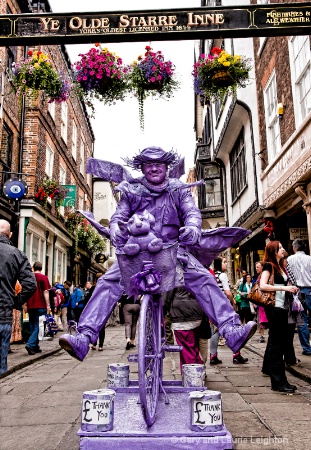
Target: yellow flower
(236,58)
(36,65)
(226,64)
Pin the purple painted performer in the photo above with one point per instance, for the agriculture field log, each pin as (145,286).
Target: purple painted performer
(177,218)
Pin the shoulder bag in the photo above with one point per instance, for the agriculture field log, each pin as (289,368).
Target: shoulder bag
(262,298)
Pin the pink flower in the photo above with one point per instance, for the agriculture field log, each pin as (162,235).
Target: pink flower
(152,79)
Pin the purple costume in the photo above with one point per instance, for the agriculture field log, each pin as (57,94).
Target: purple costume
(177,218)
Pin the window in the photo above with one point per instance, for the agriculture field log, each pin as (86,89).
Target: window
(237,167)
(299,47)
(272,119)
(64,120)
(49,161)
(211,175)
(62,175)
(81,202)
(89,179)
(51,109)
(82,161)
(6,152)
(74,141)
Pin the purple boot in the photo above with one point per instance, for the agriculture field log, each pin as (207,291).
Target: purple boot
(76,345)
(237,335)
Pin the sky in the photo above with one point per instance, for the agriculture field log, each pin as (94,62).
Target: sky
(168,124)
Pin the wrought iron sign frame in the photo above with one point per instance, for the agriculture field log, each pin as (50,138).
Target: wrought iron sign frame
(174,24)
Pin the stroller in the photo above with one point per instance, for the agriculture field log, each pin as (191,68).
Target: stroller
(51,326)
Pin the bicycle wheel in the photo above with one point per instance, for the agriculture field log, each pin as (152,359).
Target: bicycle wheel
(149,355)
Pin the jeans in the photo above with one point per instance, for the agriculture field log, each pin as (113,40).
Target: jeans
(34,314)
(5,337)
(303,330)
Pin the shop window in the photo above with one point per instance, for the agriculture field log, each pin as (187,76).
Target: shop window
(34,248)
(60,265)
(272,118)
(238,167)
(299,48)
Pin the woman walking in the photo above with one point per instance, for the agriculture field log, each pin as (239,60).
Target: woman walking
(220,267)
(277,316)
(246,313)
(131,311)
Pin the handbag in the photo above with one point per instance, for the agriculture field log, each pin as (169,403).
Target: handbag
(238,298)
(262,298)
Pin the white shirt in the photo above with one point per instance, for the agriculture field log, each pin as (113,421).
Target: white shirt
(300,266)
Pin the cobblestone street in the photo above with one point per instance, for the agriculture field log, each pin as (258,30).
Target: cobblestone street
(40,402)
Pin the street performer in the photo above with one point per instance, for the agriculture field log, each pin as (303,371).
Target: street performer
(176,219)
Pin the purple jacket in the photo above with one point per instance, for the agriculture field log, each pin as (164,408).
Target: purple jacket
(172,208)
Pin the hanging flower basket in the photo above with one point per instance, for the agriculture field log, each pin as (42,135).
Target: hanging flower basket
(50,188)
(222,78)
(35,74)
(220,74)
(100,74)
(85,235)
(152,76)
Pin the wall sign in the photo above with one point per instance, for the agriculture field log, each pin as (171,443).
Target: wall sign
(298,233)
(15,188)
(198,23)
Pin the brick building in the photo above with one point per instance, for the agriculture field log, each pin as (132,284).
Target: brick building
(283,75)
(44,140)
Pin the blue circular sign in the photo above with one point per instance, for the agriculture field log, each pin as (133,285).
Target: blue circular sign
(15,188)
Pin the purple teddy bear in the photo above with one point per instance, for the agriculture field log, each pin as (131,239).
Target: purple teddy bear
(141,237)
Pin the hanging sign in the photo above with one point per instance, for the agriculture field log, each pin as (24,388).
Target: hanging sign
(15,188)
(70,199)
(188,23)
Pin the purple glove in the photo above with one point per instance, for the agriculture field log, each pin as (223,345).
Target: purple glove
(189,235)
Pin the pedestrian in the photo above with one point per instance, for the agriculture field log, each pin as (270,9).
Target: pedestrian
(14,265)
(247,311)
(131,309)
(87,292)
(102,331)
(77,302)
(176,219)
(37,305)
(65,306)
(186,317)
(220,268)
(299,266)
(262,318)
(277,316)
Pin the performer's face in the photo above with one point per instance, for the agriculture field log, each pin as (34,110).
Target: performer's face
(154,172)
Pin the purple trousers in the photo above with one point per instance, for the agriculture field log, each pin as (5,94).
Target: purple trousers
(197,280)
(190,353)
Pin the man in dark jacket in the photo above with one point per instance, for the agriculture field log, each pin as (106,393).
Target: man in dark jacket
(14,266)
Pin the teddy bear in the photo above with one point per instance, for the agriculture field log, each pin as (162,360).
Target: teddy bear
(141,236)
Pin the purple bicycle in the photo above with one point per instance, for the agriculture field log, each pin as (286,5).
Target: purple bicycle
(150,274)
